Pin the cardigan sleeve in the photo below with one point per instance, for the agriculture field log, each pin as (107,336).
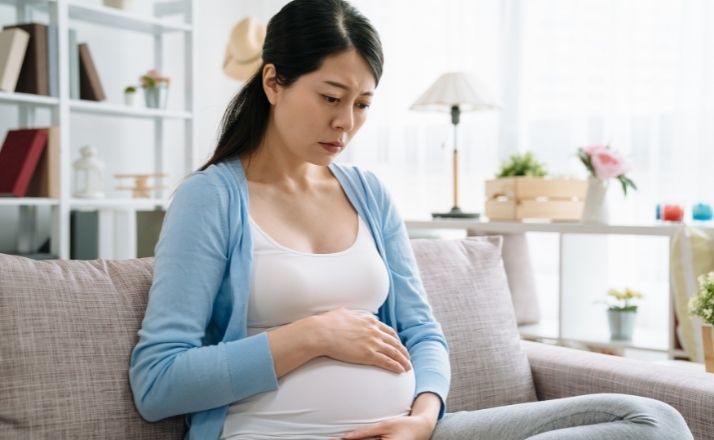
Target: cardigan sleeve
(419,331)
(171,371)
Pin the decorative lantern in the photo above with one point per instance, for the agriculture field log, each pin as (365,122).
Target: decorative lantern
(88,175)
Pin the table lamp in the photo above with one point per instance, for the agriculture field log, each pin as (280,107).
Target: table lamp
(456,92)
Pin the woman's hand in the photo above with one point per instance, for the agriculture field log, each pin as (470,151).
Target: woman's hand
(399,428)
(359,337)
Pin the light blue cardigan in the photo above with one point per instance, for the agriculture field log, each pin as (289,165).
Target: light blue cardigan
(193,356)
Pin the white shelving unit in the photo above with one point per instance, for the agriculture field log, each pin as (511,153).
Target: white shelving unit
(581,278)
(121,212)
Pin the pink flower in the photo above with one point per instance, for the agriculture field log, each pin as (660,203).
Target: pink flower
(606,163)
(595,148)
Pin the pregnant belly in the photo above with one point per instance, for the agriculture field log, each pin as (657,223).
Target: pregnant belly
(327,391)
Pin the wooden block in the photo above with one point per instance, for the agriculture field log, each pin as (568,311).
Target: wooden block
(501,187)
(500,209)
(533,187)
(549,209)
(525,197)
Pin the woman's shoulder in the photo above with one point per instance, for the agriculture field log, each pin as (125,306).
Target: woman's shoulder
(356,173)
(215,182)
(220,177)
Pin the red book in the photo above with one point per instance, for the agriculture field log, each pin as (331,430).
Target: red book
(18,159)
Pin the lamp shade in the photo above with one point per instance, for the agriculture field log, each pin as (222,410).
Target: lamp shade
(456,89)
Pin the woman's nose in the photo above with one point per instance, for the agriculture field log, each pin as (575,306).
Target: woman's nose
(344,119)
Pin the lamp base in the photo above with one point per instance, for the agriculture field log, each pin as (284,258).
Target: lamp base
(455,212)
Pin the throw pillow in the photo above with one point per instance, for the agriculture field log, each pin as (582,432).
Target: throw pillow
(467,288)
(68,328)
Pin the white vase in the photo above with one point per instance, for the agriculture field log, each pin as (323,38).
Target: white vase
(129,99)
(595,209)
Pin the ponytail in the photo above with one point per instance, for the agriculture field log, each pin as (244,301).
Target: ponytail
(243,123)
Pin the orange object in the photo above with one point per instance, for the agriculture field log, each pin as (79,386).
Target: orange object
(672,213)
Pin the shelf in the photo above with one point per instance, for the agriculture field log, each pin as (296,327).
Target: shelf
(100,108)
(106,16)
(657,229)
(642,339)
(19,2)
(161,21)
(138,204)
(28,201)
(28,98)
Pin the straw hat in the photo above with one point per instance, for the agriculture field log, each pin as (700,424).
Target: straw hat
(243,51)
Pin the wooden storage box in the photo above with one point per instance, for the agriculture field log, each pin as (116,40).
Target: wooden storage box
(518,198)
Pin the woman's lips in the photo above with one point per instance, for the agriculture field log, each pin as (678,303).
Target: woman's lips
(331,148)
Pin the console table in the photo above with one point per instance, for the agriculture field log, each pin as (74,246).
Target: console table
(585,272)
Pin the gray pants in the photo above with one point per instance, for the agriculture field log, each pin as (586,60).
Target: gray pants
(588,417)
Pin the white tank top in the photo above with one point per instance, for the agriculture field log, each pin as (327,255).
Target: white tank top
(324,397)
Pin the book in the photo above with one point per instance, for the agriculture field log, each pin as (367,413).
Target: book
(19,156)
(148,229)
(90,87)
(53,60)
(45,180)
(13,45)
(84,235)
(73,65)
(34,73)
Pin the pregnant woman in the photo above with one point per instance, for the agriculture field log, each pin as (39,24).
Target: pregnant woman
(286,302)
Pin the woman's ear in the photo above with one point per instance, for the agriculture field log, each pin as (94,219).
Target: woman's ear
(270,83)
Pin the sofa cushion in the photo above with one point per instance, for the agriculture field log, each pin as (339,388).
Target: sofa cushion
(68,328)
(467,288)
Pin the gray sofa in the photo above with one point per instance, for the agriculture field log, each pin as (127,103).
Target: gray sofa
(68,328)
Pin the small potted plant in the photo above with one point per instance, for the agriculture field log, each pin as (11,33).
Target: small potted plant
(156,88)
(522,165)
(129,95)
(621,313)
(702,305)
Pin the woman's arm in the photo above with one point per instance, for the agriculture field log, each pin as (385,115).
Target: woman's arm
(172,371)
(418,329)
(427,406)
(294,344)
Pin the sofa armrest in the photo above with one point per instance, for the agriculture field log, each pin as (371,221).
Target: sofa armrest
(563,372)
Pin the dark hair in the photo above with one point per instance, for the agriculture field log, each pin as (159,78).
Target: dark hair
(297,40)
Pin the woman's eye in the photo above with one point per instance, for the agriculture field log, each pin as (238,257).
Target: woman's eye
(362,106)
(330,99)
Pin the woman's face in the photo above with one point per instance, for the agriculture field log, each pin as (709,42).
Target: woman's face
(316,116)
